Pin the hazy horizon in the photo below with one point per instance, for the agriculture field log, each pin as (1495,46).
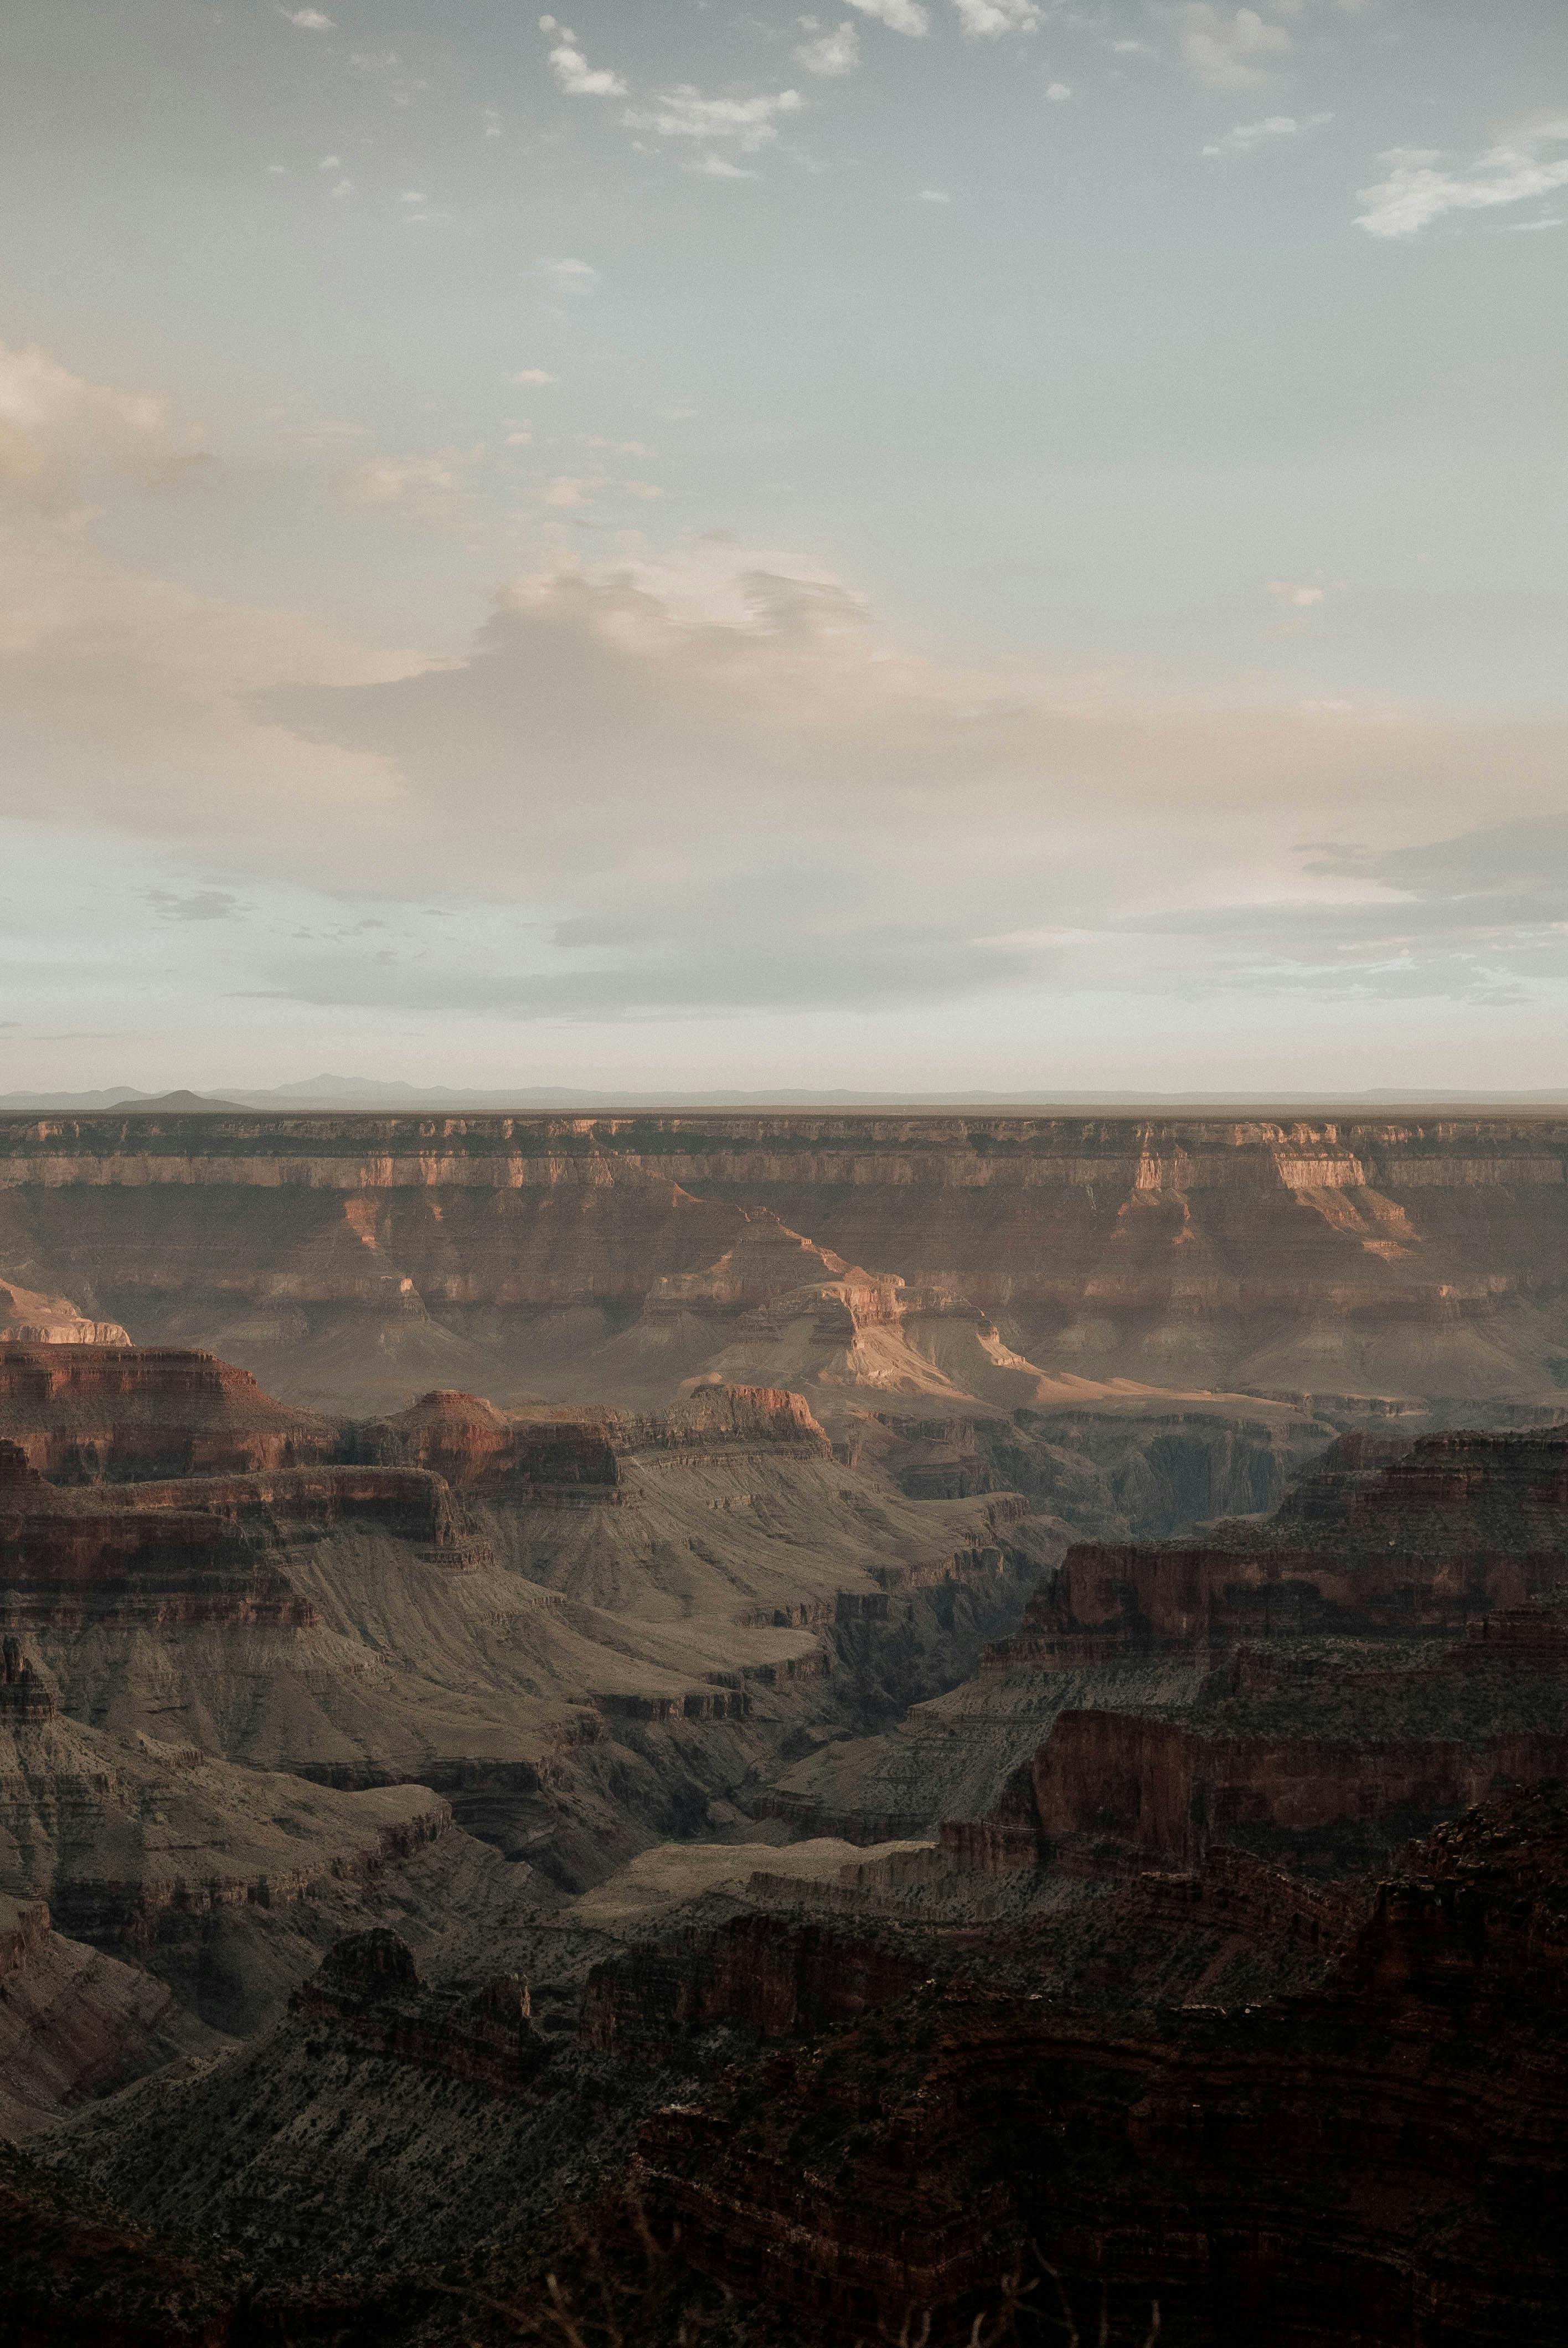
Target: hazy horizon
(945,546)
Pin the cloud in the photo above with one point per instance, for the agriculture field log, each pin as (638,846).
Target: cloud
(432,487)
(1057,90)
(1228,51)
(58,433)
(1245,136)
(1301,599)
(906,16)
(987,20)
(202,905)
(533,376)
(565,492)
(726,787)
(748,124)
(577,79)
(717,166)
(569,276)
(831,54)
(1479,917)
(715,782)
(309,20)
(1423,185)
(933,196)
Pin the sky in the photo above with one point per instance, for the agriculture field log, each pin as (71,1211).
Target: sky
(939,545)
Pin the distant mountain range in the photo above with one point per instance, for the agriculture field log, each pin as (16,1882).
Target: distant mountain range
(369,1095)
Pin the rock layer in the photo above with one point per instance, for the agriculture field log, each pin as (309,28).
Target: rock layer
(366,1256)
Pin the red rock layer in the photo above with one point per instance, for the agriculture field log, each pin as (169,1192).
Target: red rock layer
(193,1549)
(565,1457)
(1452,1529)
(1161,1787)
(81,1412)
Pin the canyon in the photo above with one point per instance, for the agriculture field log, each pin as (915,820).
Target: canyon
(840,1726)
(353,1260)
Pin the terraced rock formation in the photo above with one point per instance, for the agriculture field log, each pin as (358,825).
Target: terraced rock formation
(354,1260)
(81,1411)
(1321,1683)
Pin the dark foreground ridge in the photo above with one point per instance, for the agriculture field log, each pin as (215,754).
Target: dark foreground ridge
(767,1873)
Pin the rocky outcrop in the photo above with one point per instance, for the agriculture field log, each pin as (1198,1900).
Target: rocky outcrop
(721,1418)
(551,1457)
(24,1700)
(369,1994)
(75,2023)
(1167,1788)
(200,1548)
(767,1975)
(83,1412)
(28,1319)
(136,1845)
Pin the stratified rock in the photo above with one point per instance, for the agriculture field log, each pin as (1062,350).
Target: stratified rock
(1381,2159)
(358,1259)
(89,1409)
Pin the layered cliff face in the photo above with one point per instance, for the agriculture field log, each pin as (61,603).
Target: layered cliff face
(1319,1684)
(76,2024)
(1377,2159)
(582,1627)
(28,1319)
(81,1412)
(1378,1538)
(225,1883)
(361,1257)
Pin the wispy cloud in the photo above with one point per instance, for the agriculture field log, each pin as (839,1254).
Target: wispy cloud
(200,905)
(432,487)
(831,54)
(309,20)
(57,432)
(1228,51)
(1424,185)
(532,375)
(1245,136)
(933,196)
(567,276)
(906,16)
(747,124)
(1299,598)
(987,20)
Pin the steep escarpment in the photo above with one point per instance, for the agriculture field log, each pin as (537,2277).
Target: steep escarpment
(360,1258)
(1326,1681)
(76,2024)
(1376,2159)
(1378,1537)
(226,1882)
(83,1413)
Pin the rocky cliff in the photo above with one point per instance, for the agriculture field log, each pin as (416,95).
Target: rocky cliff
(1379,2159)
(82,1413)
(368,1256)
